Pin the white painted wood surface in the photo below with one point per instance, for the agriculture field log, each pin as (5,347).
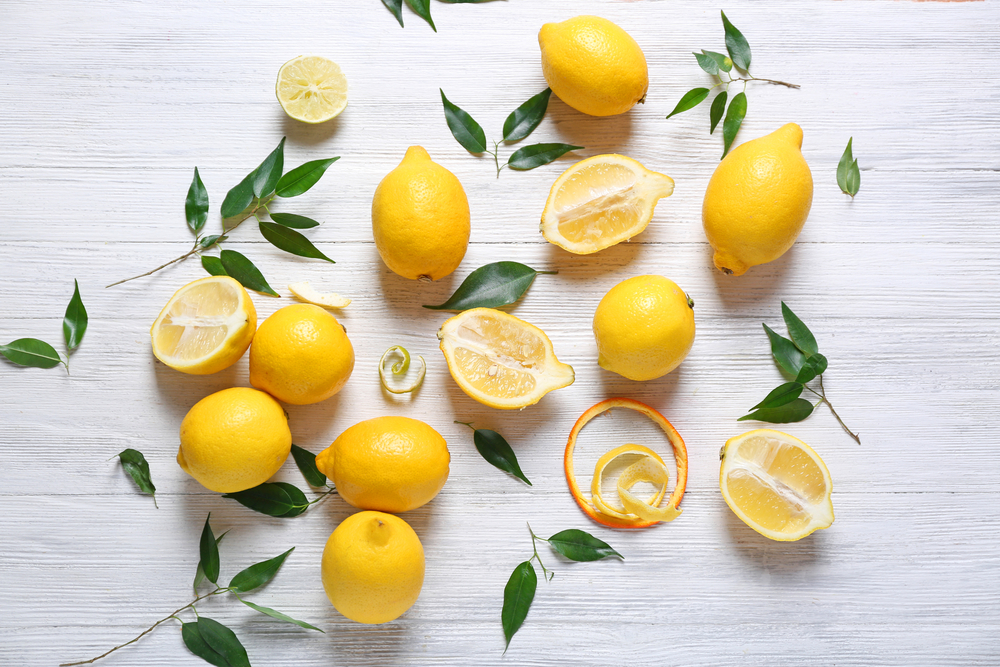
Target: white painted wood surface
(106,107)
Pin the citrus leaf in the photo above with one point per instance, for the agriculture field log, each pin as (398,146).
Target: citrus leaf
(303,177)
(258,574)
(535,155)
(581,546)
(785,353)
(223,641)
(244,271)
(199,573)
(799,332)
(814,365)
(292,220)
(517,597)
(213,265)
(497,452)
(691,99)
(785,393)
(211,240)
(238,198)
(463,127)
(197,645)
(396,7)
(491,286)
(137,467)
(423,10)
(266,175)
(736,45)
(844,166)
(853,179)
(196,204)
(299,501)
(523,120)
(75,320)
(734,118)
(267,498)
(278,615)
(306,462)
(724,62)
(718,107)
(707,63)
(31,352)
(795,411)
(290,241)
(208,549)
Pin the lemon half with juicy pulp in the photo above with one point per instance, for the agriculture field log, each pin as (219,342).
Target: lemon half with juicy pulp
(501,360)
(311,89)
(777,484)
(205,327)
(602,201)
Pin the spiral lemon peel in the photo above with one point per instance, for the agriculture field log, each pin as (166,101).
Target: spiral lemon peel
(399,368)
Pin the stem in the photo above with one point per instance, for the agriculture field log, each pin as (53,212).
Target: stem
(772,81)
(162,266)
(851,433)
(496,160)
(545,573)
(469,424)
(322,497)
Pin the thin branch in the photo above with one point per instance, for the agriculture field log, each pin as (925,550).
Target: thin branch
(162,266)
(856,437)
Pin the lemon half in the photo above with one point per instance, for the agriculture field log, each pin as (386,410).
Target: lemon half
(311,89)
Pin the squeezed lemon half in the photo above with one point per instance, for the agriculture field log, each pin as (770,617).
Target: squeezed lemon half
(311,89)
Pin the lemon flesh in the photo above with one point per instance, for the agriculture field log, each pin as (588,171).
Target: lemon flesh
(501,360)
(311,89)
(602,201)
(205,327)
(777,484)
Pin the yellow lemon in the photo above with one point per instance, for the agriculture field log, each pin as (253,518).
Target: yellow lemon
(392,464)
(420,218)
(593,65)
(205,327)
(373,567)
(644,327)
(757,201)
(234,439)
(311,89)
(300,355)
(777,484)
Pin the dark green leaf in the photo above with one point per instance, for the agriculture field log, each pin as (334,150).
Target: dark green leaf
(707,63)
(785,353)
(844,167)
(306,461)
(423,10)
(814,365)
(209,552)
(581,546)
(396,7)
(290,240)
(795,411)
(266,175)
(491,286)
(278,615)
(723,62)
(734,118)
(523,120)
(211,240)
(785,393)
(197,645)
(292,220)
(31,352)
(243,270)
(137,467)
(299,501)
(517,597)
(213,265)
(718,107)
(238,198)
(224,641)
(463,127)
(536,155)
(736,45)
(268,498)
(199,574)
(799,332)
(691,99)
(258,574)
(196,204)
(853,179)
(494,448)
(75,320)
(303,177)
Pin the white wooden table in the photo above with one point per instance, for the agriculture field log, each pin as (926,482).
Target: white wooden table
(107,107)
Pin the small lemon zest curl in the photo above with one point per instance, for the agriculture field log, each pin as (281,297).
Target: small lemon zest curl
(400,367)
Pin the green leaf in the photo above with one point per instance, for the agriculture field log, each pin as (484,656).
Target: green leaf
(795,411)
(853,179)
(196,204)
(691,99)
(238,198)
(734,118)
(306,461)
(224,641)
(497,452)
(75,320)
(799,332)
(209,552)
(292,220)
(396,7)
(258,574)
(517,597)
(197,645)
(723,62)
(581,546)
(137,467)
(707,63)
(243,270)
(199,574)
(299,501)
(266,175)
(535,155)
(290,240)
(278,615)
(736,45)
(523,120)
(785,393)
(814,365)
(213,265)
(423,10)
(463,127)
(277,499)
(303,177)
(848,173)
(785,353)
(491,286)
(31,352)
(211,240)
(718,107)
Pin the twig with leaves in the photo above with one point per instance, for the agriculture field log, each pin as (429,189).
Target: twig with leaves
(37,353)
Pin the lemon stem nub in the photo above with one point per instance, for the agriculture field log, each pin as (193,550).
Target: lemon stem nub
(399,368)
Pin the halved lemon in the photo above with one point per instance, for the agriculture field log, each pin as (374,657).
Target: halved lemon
(777,484)
(205,327)
(311,89)
(601,201)
(501,360)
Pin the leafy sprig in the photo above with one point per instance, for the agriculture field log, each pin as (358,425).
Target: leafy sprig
(521,122)
(37,353)
(496,450)
(798,358)
(720,67)
(492,286)
(284,500)
(848,172)
(421,8)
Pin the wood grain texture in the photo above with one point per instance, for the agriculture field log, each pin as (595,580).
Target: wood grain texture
(108,107)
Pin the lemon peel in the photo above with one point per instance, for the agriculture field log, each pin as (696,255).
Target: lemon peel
(606,460)
(400,368)
(306,292)
(649,470)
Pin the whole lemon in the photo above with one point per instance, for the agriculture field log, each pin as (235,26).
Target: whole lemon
(373,567)
(420,218)
(234,439)
(757,201)
(300,355)
(392,464)
(593,65)
(644,327)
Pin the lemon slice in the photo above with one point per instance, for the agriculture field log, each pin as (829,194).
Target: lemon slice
(501,360)
(777,484)
(205,327)
(306,292)
(311,89)
(601,201)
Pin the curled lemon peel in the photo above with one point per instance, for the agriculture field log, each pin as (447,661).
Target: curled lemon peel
(622,512)
(645,470)
(399,368)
